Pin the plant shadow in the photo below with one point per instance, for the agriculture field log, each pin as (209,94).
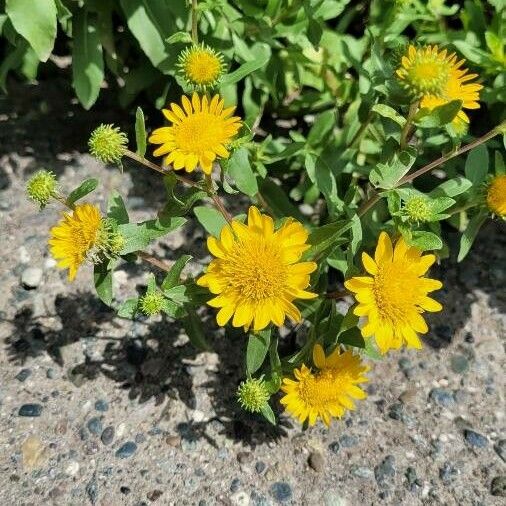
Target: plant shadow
(150,364)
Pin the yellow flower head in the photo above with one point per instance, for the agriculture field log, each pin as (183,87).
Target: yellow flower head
(200,131)
(425,71)
(201,66)
(75,237)
(256,274)
(496,195)
(394,296)
(327,393)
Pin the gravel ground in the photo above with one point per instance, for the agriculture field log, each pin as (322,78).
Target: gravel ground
(99,410)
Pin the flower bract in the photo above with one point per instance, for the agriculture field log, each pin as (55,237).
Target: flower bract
(201,66)
(108,143)
(41,187)
(253,394)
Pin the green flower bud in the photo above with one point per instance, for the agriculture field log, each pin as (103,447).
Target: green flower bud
(418,209)
(41,187)
(108,143)
(252,395)
(151,303)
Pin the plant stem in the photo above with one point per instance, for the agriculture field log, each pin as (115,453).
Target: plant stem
(408,178)
(153,261)
(216,199)
(157,168)
(195,32)
(361,131)
(413,108)
(426,168)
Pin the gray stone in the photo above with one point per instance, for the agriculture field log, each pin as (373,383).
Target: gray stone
(260,467)
(23,375)
(334,447)
(316,461)
(281,491)
(385,472)
(30,410)
(459,364)
(498,486)
(50,373)
(500,449)
(101,405)
(92,490)
(126,450)
(95,426)
(31,278)
(362,472)
(448,472)
(348,441)
(442,397)
(107,435)
(475,439)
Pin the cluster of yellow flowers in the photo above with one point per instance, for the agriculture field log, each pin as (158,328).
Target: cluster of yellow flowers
(259,270)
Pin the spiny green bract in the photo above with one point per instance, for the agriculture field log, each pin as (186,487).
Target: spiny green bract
(252,395)
(108,143)
(41,187)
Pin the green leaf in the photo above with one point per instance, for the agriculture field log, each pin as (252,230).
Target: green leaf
(425,241)
(387,175)
(87,186)
(103,282)
(352,337)
(87,60)
(177,294)
(183,37)
(246,68)
(116,208)
(140,132)
(278,201)
(128,308)
(193,327)
(239,168)
(172,278)
(268,414)
(452,187)
(173,309)
(211,219)
(470,233)
(138,235)
(476,167)
(439,116)
(326,237)
(322,127)
(389,112)
(151,24)
(258,346)
(35,20)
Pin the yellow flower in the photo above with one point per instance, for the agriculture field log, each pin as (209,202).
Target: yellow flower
(437,78)
(328,393)
(256,274)
(201,66)
(395,294)
(200,132)
(496,195)
(75,236)
(425,70)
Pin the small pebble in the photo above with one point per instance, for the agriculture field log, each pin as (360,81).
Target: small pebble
(500,449)
(140,438)
(385,472)
(235,485)
(31,278)
(448,472)
(23,375)
(475,439)
(260,467)
(316,461)
(442,397)
(362,472)
(31,410)
(72,468)
(347,441)
(50,373)
(124,490)
(281,491)
(92,490)
(107,435)
(126,450)
(498,486)
(154,495)
(459,364)
(334,447)
(174,441)
(95,426)
(101,405)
